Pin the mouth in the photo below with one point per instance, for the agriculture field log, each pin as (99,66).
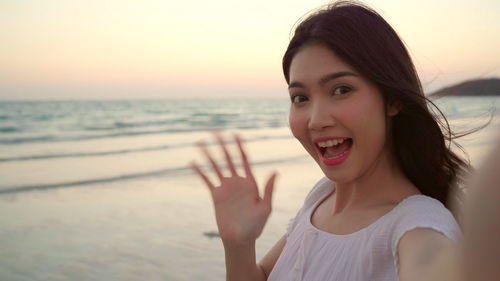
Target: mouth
(334,151)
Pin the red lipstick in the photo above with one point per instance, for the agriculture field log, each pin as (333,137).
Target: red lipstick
(335,154)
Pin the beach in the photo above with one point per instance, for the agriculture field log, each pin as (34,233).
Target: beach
(115,200)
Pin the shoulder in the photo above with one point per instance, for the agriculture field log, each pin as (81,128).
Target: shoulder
(422,225)
(420,211)
(323,187)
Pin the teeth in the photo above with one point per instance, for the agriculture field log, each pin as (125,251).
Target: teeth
(330,143)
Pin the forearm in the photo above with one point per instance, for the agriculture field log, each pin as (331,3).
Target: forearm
(241,263)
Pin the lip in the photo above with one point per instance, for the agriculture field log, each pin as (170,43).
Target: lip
(328,161)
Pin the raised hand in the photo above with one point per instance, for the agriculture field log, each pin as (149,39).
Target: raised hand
(240,211)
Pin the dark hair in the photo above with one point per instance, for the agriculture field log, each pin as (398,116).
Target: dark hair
(364,40)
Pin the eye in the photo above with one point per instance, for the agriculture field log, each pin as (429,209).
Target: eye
(341,90)
(298,98)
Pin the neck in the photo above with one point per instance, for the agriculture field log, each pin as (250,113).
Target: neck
(382,183)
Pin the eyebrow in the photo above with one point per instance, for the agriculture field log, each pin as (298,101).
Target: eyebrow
(324,79)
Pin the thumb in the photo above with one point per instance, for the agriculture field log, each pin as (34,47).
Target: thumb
(268,191)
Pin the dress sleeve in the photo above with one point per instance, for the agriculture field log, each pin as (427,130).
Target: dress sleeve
(421,211)
(318,190)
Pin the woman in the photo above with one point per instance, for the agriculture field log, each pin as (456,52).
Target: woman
(358,109)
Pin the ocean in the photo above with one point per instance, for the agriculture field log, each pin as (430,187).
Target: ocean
(101,190)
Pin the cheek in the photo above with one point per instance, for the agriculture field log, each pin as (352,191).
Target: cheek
(370,124)
(353,116)
(298,123)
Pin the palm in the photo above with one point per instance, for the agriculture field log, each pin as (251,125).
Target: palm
(239,210)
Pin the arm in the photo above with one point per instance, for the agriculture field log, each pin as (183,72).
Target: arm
(269,260)
(240,261)
(428,256)
(425,254)
(482,221)
(241,214)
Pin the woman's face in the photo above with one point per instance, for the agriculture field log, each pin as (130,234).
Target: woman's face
(337,115)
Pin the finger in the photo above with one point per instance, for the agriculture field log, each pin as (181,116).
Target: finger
(268,191)
(197,169)
(215,167)
(244,158)
(230,164)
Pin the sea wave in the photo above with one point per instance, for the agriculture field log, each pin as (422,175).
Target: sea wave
(125,151)
(86,136)
(9,129)
(177,171)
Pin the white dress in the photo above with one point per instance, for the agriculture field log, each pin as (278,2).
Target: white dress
(368,254)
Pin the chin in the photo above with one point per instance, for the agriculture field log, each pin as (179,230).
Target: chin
(339,176)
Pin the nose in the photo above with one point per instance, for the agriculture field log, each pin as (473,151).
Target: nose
(321,116)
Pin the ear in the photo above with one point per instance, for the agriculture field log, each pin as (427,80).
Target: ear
(393,109)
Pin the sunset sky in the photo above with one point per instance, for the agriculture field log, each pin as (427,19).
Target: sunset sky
(98,49)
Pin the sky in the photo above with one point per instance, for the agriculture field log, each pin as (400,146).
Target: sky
(145,49)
